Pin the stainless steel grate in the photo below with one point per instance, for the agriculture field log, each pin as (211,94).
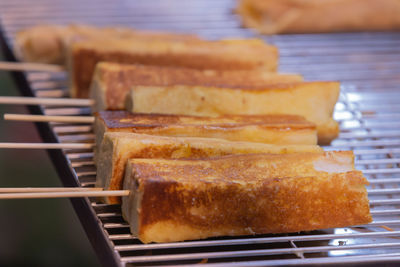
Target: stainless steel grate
(367,64)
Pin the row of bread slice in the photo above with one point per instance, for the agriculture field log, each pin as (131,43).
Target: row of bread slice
(136,157)
(121,135)
(222,55)
(81,47)
(239,67)
(175,181)
(152,89)
(187,96)
(185,187)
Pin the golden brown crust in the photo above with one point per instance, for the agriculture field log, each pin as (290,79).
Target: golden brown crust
(46,43)
(114,81)
(203,198)
(299,16)
(269,129)
(231,168)
(197,54)
(313,100)
(118,148)
(123,119)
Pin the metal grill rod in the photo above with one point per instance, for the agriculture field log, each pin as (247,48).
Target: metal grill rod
(257,240)
(253,253)
(389,257)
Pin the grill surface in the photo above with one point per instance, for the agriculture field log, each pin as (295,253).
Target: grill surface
(367,64)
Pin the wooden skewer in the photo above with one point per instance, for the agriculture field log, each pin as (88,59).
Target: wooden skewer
(47,145)
(44,118)
(47,101)
(25,66)
(105,193)
(47,189)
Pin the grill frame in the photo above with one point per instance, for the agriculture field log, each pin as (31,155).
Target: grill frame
(94,216)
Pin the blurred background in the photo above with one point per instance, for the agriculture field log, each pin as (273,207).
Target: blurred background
(40,232)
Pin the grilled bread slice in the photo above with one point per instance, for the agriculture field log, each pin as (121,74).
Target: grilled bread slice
(271,129)
(313,100)
(47,43)
(176,200)
(118,148)
(300,16)
(111,82)
(197,54)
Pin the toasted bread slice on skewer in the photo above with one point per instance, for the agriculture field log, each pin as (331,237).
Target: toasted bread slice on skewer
(176,200)
(313,100)
(111,82)
(118,148)
(197,54)
(271,129)
(47,43)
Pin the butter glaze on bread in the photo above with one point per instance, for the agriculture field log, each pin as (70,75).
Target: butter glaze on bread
(315,101)
(244,54)
(111,82)
(118,148)
(176,200)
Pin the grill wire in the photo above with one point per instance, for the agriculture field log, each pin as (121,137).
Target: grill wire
(367,64)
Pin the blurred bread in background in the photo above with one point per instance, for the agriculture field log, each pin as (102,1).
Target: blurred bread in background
(316,16)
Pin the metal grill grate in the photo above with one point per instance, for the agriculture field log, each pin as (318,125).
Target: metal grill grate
(367,64)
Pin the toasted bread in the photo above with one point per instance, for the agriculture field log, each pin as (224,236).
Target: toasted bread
(300,16)
(313,100)
(111,82)
(271,129)
(118,148)
(176,200)
(196,54)
(47,43)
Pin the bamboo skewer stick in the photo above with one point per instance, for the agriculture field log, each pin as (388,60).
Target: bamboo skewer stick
(47,101)
(47,145)
(47,189)
(26,66)
(46,118)
(65,194)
